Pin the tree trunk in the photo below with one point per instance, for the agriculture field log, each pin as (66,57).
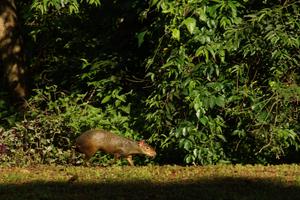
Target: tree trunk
(11,54)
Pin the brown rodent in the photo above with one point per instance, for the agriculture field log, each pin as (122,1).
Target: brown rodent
(95,140)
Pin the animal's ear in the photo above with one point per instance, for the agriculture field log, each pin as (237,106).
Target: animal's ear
(142,143)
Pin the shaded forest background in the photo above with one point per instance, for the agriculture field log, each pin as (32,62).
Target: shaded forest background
(204,82)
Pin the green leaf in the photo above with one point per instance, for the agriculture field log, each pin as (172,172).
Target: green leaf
(153,2)
(190,24)
(187,145)
(140,37)
(204,120)
(176,34)
(222,137)
(202,14)
(195,152)
(200,51)
(125,109)
(106,99)
(220,101)
(189,159)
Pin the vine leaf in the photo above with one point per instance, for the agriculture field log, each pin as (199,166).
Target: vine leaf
(190,24)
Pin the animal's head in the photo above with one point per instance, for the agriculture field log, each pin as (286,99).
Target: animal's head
(147,149)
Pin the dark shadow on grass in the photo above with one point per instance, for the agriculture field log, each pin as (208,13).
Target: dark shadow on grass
(214,189)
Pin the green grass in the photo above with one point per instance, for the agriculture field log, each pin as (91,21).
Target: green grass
(221,182)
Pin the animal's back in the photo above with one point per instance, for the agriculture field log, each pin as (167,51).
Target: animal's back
(93,140)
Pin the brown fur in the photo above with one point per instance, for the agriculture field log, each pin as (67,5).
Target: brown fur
(100,140)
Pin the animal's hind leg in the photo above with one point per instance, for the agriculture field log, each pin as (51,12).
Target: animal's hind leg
(88,155)
(87,161)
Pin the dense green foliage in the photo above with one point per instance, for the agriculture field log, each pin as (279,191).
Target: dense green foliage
(205,81)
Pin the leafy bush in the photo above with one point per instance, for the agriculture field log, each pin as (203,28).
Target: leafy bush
(48,131)
(207,81)
(225,80)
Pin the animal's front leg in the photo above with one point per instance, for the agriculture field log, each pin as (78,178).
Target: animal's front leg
(129,159)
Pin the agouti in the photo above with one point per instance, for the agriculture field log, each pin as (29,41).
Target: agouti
(95,140)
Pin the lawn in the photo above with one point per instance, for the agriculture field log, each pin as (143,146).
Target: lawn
(220,182)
